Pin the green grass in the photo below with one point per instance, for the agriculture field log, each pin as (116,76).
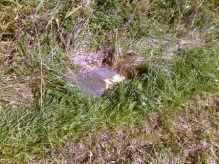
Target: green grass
(167,115)
(29,133)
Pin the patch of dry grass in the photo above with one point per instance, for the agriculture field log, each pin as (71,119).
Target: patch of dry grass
(187,134)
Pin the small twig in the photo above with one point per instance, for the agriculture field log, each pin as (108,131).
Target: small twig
(41,71)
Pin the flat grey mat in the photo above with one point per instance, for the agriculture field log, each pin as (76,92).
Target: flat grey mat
(96,82)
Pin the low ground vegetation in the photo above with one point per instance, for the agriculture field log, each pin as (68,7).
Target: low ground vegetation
(168,114)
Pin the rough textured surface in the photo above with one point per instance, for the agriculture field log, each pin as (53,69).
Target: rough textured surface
(86,61)
(97,81)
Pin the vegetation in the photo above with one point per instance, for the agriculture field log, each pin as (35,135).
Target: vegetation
(169,114)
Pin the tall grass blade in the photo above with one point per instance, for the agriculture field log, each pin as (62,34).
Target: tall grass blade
(39,6)
(72,12)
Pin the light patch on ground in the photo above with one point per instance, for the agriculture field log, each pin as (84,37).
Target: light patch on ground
(114,80)
(84,60)
(124,65)
(16,94)
(169,44)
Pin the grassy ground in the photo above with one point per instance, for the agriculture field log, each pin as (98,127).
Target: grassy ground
(170,114)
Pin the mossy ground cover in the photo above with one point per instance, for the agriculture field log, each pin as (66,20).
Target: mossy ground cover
(169,114)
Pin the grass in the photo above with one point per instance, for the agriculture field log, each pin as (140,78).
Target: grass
(167,115)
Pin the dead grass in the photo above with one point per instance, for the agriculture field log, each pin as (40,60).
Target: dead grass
(86,61)
(12,91)
(130,63)
(169,44)
(188,134)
